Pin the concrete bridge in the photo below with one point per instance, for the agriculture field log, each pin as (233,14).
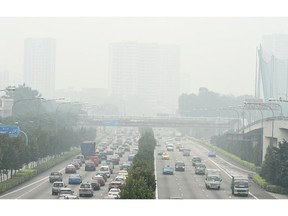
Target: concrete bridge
(177,122)
(274,130)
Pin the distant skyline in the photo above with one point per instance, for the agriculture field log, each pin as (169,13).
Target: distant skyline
(217,53)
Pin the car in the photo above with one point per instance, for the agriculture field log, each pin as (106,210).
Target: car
(179,166)
(160,152)
(74,179)
(115,159)
(186,152)
(170,147)
(90,166)
(196,159)
(211,154)
(76,164)
(131,157)
(55,176)
(95,184)
(81,158)
(95,159)
(100,179)
(114,192)
(56,186)
(79,161)
(69,196)
(123,172)
(70,168)
(165,156)
(120,178)
(105,170)
(200,168)
(86,189)
(111,166)
(115,184)
(126,165)
(104,175)
(168,170)
(65,191)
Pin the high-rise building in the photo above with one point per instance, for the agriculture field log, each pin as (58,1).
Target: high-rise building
(4,78)
(39,65)
(145,75)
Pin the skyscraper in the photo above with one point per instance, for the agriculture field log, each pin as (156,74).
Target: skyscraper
(145,75)
(39,65)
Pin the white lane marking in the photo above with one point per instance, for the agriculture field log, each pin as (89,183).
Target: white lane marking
(155,174)
(28,185)
(230,176)
(30,190)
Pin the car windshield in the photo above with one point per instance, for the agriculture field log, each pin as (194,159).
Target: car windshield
(213,178)
(241,184)
(85,186)
(180,164)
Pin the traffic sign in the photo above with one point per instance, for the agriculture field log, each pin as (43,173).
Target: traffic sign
(10,129)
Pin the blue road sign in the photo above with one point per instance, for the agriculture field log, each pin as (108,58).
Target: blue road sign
(10,129)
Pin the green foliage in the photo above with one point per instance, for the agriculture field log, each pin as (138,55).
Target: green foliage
(193,105)
(137,189)
(141,183)
(274,168)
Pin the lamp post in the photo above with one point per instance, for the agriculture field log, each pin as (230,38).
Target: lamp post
(269,106)
(232,108)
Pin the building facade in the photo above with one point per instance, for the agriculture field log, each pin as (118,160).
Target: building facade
(39,65)
(145,76)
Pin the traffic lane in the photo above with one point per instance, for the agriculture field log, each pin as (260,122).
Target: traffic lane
(166,184)
(229,167)
(192,190)
(194,185)
(225,190)
(34,182)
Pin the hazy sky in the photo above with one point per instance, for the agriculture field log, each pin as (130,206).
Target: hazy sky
(218,53)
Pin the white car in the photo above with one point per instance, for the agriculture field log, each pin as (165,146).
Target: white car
(120,178)
(123,173)
(65,191)
(105,170)
(114,193)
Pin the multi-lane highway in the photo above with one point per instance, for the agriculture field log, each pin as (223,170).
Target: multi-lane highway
(188,185)
(184,185)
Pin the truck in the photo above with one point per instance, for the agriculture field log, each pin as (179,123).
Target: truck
(240,185)
(213,179)
(88,148)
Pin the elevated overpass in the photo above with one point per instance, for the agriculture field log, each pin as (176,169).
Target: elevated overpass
(178,122)
(274,130)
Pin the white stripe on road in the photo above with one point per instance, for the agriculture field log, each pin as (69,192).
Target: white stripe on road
(229,175)
(45,178)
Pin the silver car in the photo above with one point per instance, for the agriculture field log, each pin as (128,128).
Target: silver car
(57,185)
(86,189)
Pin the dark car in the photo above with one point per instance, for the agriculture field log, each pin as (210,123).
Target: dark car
(200,168)
(196,159)
(90,166)
(179,166)
(95,184)
(55,176)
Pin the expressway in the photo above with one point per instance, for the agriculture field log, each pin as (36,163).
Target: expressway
(183,185)
(40,187)
(188,185)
